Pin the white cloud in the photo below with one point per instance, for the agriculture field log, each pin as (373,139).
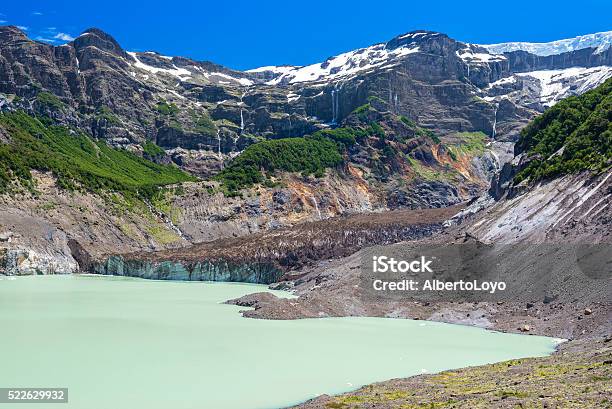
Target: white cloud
(37,13)
(3,21)
(23,28)
(46,40)
(63,37)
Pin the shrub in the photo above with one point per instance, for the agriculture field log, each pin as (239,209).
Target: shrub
(152,150)
(49,100)
(167,109)
(259,161)
(205,125)
(77,161)
(347,137)
(573,135)
(106,114)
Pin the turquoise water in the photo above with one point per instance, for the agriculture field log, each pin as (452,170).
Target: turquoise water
(129,343)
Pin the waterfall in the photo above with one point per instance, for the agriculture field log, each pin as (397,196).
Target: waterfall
(495,121)
(393,101)
(497,160)
(468,71)
(219,147)
(165,219)
(337,104)
(241,114)
(316,206)
(335,94)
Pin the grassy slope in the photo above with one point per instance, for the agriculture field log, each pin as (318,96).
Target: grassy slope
(77,161)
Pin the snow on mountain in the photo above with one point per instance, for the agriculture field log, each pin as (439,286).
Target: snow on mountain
(180,73)
(558,84)
(275,69)
(471,54)
(600,41)
(341,66)
(193,72)
(546,86)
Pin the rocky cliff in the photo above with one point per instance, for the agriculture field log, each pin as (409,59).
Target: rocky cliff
(440,83)
(429,121)
(266,257)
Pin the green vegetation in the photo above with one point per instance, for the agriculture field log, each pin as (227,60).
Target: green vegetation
(260,160)
(427,173)
(573,135)
(204,125)
(106,114)
(174,124)
(374,98)
(432,135)
(78,162)
(347,137)
(409,122)
(152,150)
(162,235)
(226,123)
(49,100)
(472,143)
(323,149)
(167,109)
(419,132)
(362,112)
(375,129)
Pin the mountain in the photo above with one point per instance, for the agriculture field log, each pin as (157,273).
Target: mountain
(599,41)
(440,83)
(421,121)
(140,164)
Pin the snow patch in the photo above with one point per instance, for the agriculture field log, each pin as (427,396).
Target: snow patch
(242,81)
(292,97)
(558,84)
(344,65)
(468,55)
(181,73)
(280,69)
(502,81)
(184,74)
(412,35)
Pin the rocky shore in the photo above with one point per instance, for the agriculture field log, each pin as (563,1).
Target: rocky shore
(571,305)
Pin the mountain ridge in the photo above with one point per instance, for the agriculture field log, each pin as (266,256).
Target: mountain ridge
(441,84)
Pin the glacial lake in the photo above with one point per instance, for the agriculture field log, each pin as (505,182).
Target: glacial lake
(130,343)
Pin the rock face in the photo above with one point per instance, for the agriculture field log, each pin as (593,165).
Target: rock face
(265,257)
(25,261)
(203,114)
(440,83)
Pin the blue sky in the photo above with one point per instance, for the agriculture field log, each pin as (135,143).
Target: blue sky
(247,34)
